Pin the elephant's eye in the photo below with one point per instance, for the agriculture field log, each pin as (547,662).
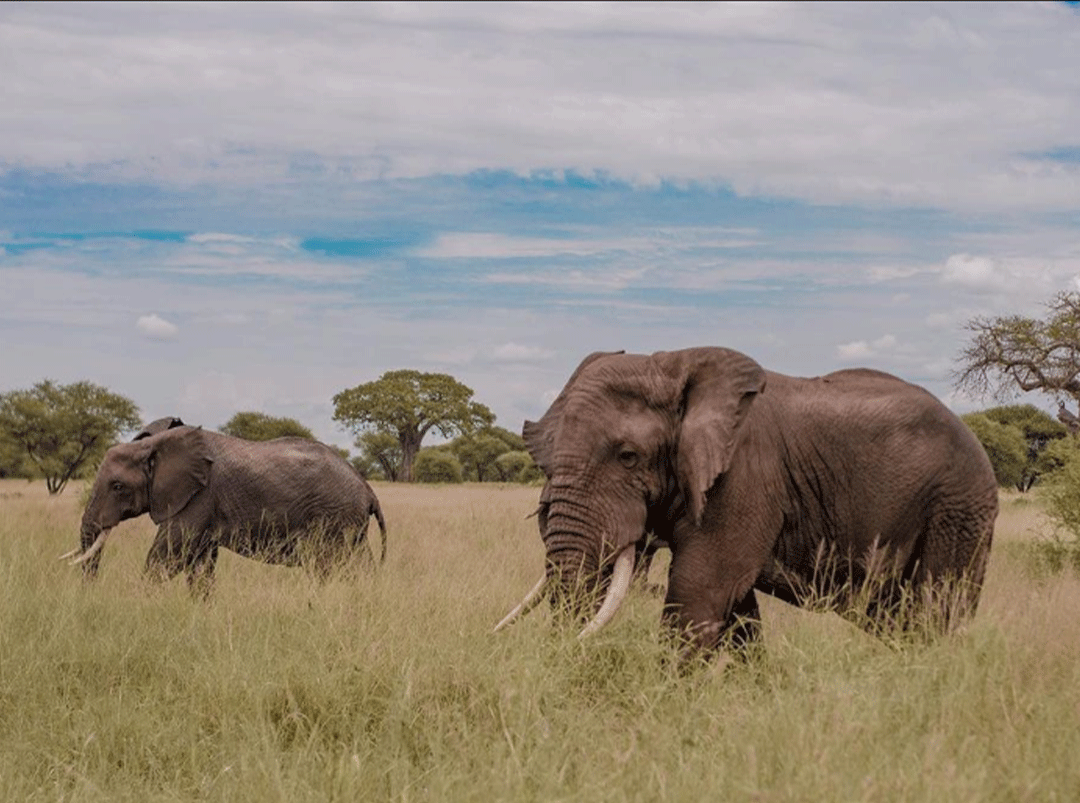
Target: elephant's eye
(118,486)
(628,457)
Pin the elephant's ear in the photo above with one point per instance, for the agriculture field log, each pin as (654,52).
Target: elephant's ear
(179,468)
(540,435)
(719,385)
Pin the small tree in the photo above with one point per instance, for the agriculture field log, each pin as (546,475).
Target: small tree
(64,428)
(436,465)
(479,452)
(518,466)
(409,404)
(1038,430)
(380,456)
(253,426)
(1004,445)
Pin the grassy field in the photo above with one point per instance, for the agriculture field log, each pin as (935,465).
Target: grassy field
(391,687)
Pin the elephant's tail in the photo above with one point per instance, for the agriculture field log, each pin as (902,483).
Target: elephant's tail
(376,511)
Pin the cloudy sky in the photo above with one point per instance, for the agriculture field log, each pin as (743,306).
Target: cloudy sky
(222,207)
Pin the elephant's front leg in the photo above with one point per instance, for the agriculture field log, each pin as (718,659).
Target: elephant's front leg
(177,548)
(710,602)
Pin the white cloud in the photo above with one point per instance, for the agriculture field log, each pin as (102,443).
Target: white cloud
(155,327)
(861,349)
(514,352)
(973,272)
(911,104)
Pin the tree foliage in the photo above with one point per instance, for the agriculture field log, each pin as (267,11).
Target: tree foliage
(436,465)
(518,466)
(64,428)
(380,456)
(1014,352)
(1004,445)
(254,426)
(408,404)
(1039,433)
(479,453)
(13,460)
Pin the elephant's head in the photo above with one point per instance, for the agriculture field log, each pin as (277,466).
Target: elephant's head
(158,473)
(631,444)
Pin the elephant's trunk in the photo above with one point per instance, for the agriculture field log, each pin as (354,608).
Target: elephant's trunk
(577,568)
(91,539)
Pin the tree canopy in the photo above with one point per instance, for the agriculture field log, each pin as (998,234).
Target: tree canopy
(1014,352)
(380,455)
(479,452)
(1004,445)
(63,428)
(408,404)
(262,427)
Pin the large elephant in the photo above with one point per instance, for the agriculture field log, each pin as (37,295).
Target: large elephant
(855,490)
(287,501)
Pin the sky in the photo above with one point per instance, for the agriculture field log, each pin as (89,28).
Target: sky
(213,207)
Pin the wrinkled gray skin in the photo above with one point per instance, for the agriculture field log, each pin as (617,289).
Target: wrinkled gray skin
(802,488)
(286,501)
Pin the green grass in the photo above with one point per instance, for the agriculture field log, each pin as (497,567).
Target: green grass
(391,687)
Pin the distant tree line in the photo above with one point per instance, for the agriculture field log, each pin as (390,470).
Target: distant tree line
(61,432)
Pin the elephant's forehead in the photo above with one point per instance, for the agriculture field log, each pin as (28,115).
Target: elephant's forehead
(610,417)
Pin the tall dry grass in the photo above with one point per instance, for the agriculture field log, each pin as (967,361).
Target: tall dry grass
(391,687)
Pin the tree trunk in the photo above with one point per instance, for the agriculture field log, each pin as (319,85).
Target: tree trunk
(410,445)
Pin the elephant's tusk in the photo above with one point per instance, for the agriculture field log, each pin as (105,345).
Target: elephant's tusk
(93,550)
(73,552)
(532,599)
(620,585)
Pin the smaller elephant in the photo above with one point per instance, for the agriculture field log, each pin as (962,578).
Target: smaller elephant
(286,501)
(159,425)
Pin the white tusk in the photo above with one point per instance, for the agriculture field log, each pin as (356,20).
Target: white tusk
(93,550)
(620,585)
(532,599)
(67,555)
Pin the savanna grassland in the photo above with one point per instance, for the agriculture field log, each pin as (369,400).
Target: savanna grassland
(390,686)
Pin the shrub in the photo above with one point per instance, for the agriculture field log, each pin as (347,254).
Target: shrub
(1004,445)
(436,465)
(518,466)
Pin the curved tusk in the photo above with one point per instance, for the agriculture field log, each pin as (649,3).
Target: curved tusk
(72,553)
(532,599)
(620,585)
(93,550)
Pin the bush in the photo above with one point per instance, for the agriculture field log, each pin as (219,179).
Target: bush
(436,465)
(1005,446)
(518,467)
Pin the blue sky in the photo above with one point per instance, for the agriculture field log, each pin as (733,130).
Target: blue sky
(223,207)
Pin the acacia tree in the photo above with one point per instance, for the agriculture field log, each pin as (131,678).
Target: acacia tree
(262,427)
(1013,352)
(408,404)
(63,428)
